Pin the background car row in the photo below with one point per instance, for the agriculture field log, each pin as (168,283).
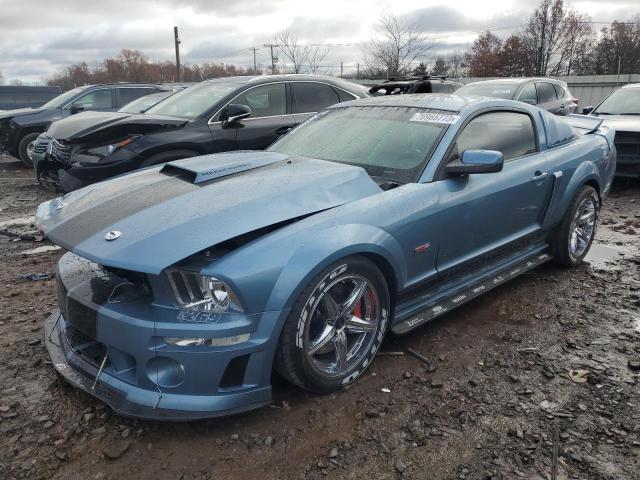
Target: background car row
(236,113)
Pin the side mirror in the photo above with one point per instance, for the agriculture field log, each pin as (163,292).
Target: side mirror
(477,161)
(76,108)
(233,113)
(587,110)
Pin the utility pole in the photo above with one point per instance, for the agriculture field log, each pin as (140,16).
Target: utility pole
(255,68)
(357,70)
(341,68)
(273,59)
(177,42)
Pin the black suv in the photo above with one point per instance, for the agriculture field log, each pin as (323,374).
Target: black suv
(231,113)
(420,84)
(20,128)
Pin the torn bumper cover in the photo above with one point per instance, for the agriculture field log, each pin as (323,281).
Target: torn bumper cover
(115,347)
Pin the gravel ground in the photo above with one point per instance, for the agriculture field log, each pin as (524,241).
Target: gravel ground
(544,367)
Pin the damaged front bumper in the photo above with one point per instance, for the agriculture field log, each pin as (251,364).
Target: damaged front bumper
(64,169)
(129,400)
(112,340)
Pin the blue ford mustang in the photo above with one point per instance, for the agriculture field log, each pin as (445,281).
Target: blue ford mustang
(186,284)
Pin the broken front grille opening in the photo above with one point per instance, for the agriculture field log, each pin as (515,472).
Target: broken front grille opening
(84,346)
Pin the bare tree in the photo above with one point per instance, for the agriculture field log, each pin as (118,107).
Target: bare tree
(401,42)
(301,56)
(1,79)
(316,56)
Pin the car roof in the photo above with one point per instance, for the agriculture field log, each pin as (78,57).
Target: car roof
(519,80)
(435,101)
(631,85)
(283,77)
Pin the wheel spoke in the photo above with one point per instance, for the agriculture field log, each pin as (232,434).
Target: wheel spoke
(358,290)
(333,309)
(323,340)
(342,349)
(359,325)
(586,218)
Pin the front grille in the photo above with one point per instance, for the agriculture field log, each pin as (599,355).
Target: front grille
(83,318)
(40,146)
(60,151)
(628,145)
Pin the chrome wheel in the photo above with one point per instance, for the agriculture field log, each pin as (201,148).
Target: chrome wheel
(583,227)
(345,317)
(31,149)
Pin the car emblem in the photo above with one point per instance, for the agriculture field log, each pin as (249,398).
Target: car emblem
(112,235)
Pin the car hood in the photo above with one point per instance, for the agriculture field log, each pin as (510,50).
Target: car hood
(19,111)
(165,214)
(82,126)
(622,123)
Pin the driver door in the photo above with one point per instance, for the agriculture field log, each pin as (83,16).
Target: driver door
(269,118)
(487,217)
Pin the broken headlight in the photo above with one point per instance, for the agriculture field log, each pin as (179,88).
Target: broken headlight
(106,150)
(207,342)
(202,292)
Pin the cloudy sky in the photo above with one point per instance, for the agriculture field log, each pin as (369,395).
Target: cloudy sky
(39,37)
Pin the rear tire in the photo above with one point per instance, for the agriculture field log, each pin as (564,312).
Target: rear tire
(336,326)
(574,236)
(25,148)
(164,157)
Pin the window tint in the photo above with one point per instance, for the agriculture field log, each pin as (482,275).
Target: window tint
(344,96)
(507,132)
(529,93)
(439,87)
(560,92)
(264,101)
(97,99)
(312,97)
(546,92)
(126,95)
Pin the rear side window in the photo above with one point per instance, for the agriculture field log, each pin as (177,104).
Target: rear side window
(440,87)
(129,94)
(344,96)
(546,92)
(528,94)
(560,92)
(508,132)
(312,97)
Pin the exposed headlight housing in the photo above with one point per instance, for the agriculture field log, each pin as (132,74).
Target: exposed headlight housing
(207,342)
(106,150)
(202,292)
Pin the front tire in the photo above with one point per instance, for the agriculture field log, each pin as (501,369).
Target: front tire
(575,234)
(336,326)
(25,148)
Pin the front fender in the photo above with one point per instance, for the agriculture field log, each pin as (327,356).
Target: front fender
(328,247)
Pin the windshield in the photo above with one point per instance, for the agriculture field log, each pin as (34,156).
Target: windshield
(389,142)
(61,100)
(499,90)
(142,104)
(194,101)
(625,101)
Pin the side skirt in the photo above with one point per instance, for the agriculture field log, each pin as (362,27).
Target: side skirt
(408,318)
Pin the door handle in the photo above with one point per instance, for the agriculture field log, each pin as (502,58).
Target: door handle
(283,130)
(539,176)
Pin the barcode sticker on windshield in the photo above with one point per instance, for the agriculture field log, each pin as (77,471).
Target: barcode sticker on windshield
(434,118)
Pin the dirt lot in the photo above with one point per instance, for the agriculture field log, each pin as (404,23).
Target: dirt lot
(546,363)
